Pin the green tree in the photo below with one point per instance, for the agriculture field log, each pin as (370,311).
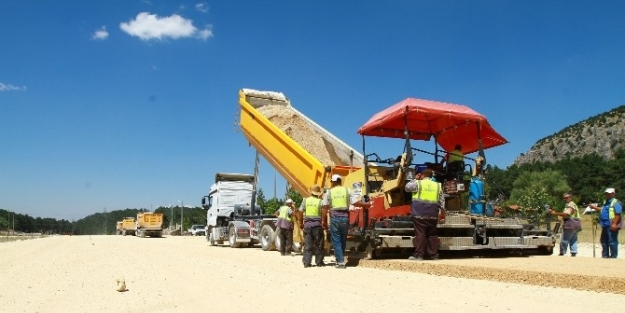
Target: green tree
(295,196)
(3,223)
(546,186)
(532,190)
(272,205)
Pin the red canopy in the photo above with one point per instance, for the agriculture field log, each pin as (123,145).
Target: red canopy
(449,124)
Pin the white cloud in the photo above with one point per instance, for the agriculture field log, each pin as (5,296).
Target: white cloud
(150,26)
(10,87)
(100,34)
(202,7)
(205,33)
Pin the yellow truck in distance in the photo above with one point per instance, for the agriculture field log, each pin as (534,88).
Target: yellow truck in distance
(127,226)
(149,224)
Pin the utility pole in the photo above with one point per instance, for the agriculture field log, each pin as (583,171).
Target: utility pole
(181,216)
(171,221)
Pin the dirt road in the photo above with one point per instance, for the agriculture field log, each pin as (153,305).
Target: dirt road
(184,274)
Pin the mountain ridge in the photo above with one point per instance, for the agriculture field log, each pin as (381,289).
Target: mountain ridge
(602,134)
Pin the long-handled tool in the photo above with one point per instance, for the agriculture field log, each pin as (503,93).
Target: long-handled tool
(594,236)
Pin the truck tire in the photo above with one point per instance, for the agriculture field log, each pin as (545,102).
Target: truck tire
(209,237)
(266,238)
(296,247)
(232,238)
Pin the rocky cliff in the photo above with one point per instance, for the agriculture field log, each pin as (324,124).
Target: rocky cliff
(602,134)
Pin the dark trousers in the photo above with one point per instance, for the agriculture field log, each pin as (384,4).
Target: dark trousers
(286,240)
(425,240)
(313,245)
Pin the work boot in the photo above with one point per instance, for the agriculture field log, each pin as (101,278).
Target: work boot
(340,266)
(321,264)
(307,265)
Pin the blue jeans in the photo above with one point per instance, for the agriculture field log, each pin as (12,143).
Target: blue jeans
(338,233)
(569,237)
(609,243)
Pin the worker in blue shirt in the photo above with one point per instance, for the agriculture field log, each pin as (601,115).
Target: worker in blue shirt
(611,222)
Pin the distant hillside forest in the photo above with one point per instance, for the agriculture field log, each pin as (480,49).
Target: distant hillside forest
(104,222)
(530,185)
(586,176)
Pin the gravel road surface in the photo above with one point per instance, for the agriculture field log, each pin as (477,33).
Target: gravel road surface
(184,274)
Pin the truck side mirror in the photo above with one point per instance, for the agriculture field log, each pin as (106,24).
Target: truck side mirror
(206,203)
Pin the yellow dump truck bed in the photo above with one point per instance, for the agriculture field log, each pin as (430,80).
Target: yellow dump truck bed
(150,221)
(128,224)
(303,152)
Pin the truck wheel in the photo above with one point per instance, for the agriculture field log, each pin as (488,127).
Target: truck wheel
(266,238)
(209,237)
(276,239)
(232,238)
(297,247)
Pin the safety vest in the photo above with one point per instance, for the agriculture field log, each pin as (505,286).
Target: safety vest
(284,213)
(572,204)
(312,206)
(339,195)
(428,191)
(611,209)
(455,156)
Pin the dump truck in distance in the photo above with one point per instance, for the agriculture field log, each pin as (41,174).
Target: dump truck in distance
(149,224)
(127,226)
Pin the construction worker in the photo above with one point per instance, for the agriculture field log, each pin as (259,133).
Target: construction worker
(337,201)
(427,200)
(611,221)
(455,156)
(569,236)
(285,226)
(309,215)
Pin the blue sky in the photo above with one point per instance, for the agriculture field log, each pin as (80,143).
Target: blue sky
(132,104)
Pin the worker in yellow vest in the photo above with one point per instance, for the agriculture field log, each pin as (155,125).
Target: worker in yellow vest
(310,216)
(285,226)
(569,236)
(427,201)
(337,201)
